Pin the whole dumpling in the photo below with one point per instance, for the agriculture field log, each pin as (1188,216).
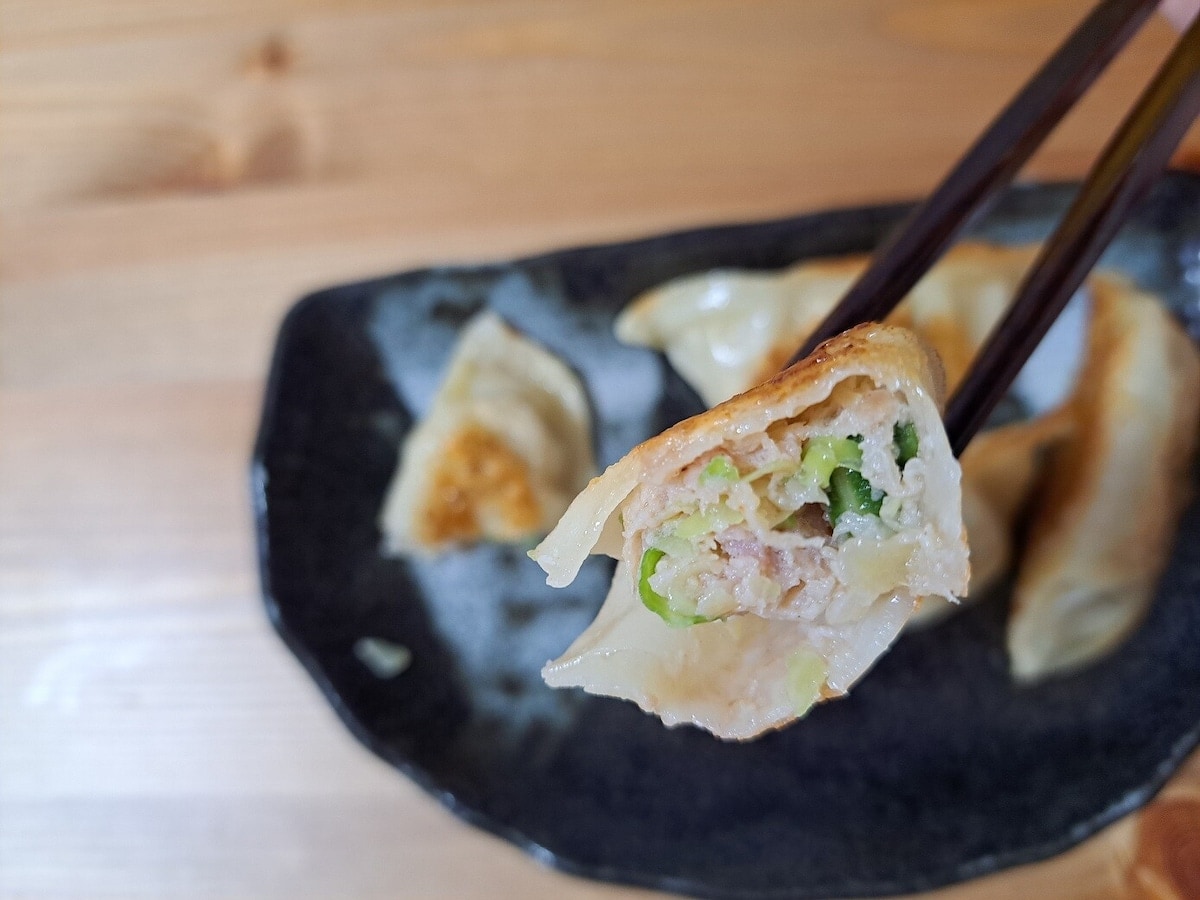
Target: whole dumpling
(1102,528)
(506,444)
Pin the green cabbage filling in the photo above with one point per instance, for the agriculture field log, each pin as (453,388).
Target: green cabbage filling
(712,519)
(806,674)
(823,455)
(656,602)
(828,466)
(719,469)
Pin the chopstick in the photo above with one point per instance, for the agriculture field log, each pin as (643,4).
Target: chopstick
(987,167)
(1124,173)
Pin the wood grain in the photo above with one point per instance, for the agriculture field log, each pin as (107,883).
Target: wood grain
(173,175)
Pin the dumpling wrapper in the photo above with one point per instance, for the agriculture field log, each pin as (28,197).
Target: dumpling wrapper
(1003,464)
(506,445)
(959,301)
(1114,491)
(771,649)
(1001,469)
(726,331)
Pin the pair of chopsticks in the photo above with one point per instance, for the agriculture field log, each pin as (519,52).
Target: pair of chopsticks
(1135,156)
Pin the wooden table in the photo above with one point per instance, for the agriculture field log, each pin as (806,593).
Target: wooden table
(174,175)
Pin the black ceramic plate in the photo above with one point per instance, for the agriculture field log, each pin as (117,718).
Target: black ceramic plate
(934,770)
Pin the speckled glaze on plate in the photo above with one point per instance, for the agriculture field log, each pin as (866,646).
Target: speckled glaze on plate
(934,770)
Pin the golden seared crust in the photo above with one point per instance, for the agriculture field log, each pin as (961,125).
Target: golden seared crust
(958,302)
(991,257)
(939,309)
(837,268)
(502,449)
(954,348)
(944,330)
(1113,491)
(481,487)
(973,257)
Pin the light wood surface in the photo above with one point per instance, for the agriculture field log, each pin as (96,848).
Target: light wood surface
(173,175)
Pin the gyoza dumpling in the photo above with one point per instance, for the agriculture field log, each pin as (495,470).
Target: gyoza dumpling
(726,331)
(1114,491)
(506,445)
(772,547)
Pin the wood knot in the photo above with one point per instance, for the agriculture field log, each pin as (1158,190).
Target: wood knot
(271,59)
(1167,864)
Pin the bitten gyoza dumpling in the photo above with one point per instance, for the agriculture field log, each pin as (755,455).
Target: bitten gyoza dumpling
(771,548)
(727,330)
(1102,528)
(506,445)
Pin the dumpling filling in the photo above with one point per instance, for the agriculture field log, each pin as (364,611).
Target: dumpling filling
(770,549)
(811,520)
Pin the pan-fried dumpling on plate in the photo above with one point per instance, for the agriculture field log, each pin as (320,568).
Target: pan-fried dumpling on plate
(726,331)
(771,548)
(506,445)
(1114,491)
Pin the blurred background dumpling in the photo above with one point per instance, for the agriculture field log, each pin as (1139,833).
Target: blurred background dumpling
(725,331)
(506,444)
(1102,525)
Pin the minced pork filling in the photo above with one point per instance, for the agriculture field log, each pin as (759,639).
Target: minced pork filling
(813,520)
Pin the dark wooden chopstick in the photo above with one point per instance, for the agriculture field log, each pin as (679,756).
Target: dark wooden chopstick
(987,167)
(1133,159)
